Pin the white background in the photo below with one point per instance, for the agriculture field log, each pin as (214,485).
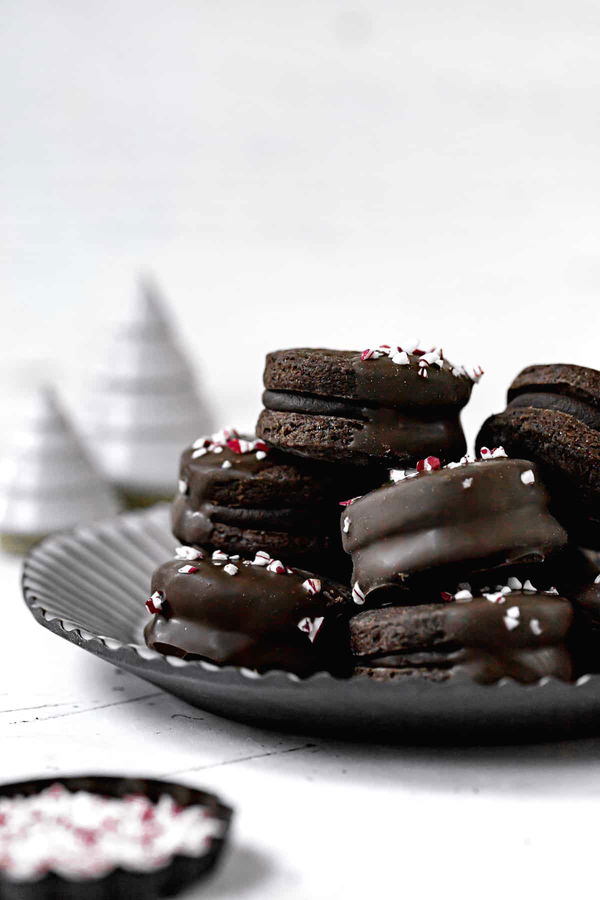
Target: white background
(314,173)
(320,173)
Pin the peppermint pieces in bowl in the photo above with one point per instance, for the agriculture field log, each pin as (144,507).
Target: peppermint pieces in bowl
(80,835)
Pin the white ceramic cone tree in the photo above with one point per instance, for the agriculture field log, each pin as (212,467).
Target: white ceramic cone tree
(143,405)
(47,479)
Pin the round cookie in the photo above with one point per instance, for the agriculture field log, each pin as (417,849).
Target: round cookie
(387,406)
(444,524)
(507,635)
(553,418)
(257,613)
(238,495)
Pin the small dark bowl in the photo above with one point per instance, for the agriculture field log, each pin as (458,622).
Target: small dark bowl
(119,884)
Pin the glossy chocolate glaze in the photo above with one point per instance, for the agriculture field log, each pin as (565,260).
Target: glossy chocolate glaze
(479,516)
(473,638)
(249,618)
(399,434)
(382,382)
(291,496)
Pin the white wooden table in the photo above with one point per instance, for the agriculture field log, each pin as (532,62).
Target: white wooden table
(315,818)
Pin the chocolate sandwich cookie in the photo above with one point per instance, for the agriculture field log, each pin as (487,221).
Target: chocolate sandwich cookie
(257,613)
(553,418)
(444,524)
(238,495)
(513,634)
(390,406)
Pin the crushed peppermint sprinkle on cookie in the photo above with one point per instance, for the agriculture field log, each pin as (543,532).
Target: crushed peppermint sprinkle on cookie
(349,502)
(219,556)
(512,617)
(187,570)
(226,464)
(429,464)
(260,454)
(446,596)
(400,356)
(261,558)
(467,482)
(154,604)
(230,569)
(514,584)
(312,585)
(528,477)
(190,553)
(346,527)
(463,596)
(535,626)
(527,586)
(597,579)
(230,439)
(357,594)
(311,627)
(83,836)
(276,566)
(182,486)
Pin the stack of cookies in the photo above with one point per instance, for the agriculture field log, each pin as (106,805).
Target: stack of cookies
(354,535)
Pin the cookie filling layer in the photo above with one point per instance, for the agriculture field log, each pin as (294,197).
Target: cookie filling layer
(584,412)
(382,431)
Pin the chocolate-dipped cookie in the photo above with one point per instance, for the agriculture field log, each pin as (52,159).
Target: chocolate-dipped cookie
(239,495)
(444,524)
(387,406)
(553,418)
(257,613)
(513,634)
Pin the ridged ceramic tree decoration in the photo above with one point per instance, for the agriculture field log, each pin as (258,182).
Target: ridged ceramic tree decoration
(143,405)
(47,479)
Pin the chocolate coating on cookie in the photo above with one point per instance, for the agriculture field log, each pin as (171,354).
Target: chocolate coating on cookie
(553,418)
(524,637)
(238,498)
(232,612)
(468,518)
(332,404)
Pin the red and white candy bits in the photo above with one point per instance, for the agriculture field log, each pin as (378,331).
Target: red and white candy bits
(400,356)
(228,438)
(85,836)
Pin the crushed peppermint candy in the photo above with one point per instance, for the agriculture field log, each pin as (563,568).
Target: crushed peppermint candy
(311,627)
(275,565)
(83,835)
(358,594)
(230,439)
(528,477)
(219,556)
(187,570)
(511,618)
(535,626)
(597,579)
(225,464)
(467,482)
(182,486)
(312,585)
(514,584)
(189,553)
(494,453)
(346,527)
(261,558)
(155,603)
(429,464)
(349,502)
(230,569)
(400,356)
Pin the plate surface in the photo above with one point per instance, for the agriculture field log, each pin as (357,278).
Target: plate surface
(89,587)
